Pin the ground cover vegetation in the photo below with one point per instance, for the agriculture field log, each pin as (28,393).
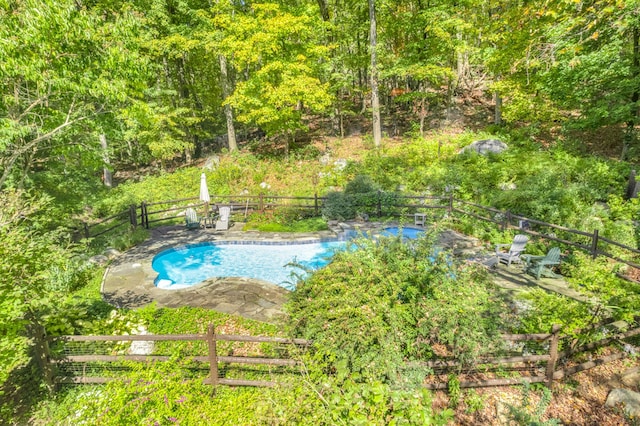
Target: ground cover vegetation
(272,94)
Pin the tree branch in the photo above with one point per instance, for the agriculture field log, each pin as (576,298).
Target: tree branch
(33,143)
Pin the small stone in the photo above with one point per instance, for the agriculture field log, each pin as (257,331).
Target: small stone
(340,164)
(99,259)
(212,163)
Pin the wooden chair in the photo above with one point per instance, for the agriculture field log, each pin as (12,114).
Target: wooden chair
(222,224)
(191,219)
(515,249)
(539,265)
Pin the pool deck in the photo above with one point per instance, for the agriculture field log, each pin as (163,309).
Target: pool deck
(129,280)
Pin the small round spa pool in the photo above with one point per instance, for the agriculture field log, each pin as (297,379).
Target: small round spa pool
(407,232)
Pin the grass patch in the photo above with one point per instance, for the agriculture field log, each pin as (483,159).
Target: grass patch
(304,225)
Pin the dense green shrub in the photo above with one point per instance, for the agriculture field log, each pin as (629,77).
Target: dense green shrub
(277,223)
(338,206)
(361,197)
(375,307)
(596,277)
(372,403)
(544,309)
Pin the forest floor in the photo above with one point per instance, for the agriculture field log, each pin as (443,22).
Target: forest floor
(579,400)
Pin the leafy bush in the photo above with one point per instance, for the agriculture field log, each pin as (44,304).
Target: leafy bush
(276,224)
(526,415)
(70,275)
(154,394)
(375,307)
(338,206)
(543,310)
(361,196)
(597,277)
(361,184)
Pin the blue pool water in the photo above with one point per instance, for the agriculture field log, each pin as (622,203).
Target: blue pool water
(410,233)
(185,266)
(189,265)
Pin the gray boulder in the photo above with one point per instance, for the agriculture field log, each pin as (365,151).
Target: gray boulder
(212,163)
(629,400)
(486,145)
(111,253)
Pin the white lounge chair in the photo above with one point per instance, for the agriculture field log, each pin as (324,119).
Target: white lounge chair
(222,224)
(515,250)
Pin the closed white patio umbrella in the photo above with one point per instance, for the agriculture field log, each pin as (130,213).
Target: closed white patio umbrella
(204,194)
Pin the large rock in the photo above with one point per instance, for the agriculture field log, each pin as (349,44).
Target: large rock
(629,400)
(485,146)
(212,163)
(111,253)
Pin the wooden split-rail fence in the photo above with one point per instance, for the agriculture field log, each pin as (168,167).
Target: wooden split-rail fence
(545,366)
(58,359)
(147,215)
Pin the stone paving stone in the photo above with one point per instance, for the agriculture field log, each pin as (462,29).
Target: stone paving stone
(129,280)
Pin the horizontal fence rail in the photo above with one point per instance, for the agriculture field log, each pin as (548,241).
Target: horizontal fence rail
(532,368)
(378,204)
(211,357)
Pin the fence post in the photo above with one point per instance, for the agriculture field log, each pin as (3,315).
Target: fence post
(379,203)
(144,218)
(553,354)
(261,203)
(450,208)
(315,202)
(213,357)
(594,244)
(85,229)
(133,216)
(42,354)
(506,221)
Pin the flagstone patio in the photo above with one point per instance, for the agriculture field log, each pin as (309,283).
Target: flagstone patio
(129,279)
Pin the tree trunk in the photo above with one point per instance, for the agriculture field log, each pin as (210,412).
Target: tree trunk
(27,168)
(375,100)
(324,10)
(461,65)
(107,177)
(228,112)
(630,134)
(422,114)
(497,118)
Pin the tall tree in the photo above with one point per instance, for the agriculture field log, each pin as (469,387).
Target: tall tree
(279,52)
(375,100)
(62,66)
(228,112)
(27,259)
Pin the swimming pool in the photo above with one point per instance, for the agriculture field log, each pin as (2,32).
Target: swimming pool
(185,266)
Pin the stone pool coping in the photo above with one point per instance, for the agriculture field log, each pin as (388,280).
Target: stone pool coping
(129,280)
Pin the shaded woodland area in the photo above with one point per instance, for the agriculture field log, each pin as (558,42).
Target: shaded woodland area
(97,83)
